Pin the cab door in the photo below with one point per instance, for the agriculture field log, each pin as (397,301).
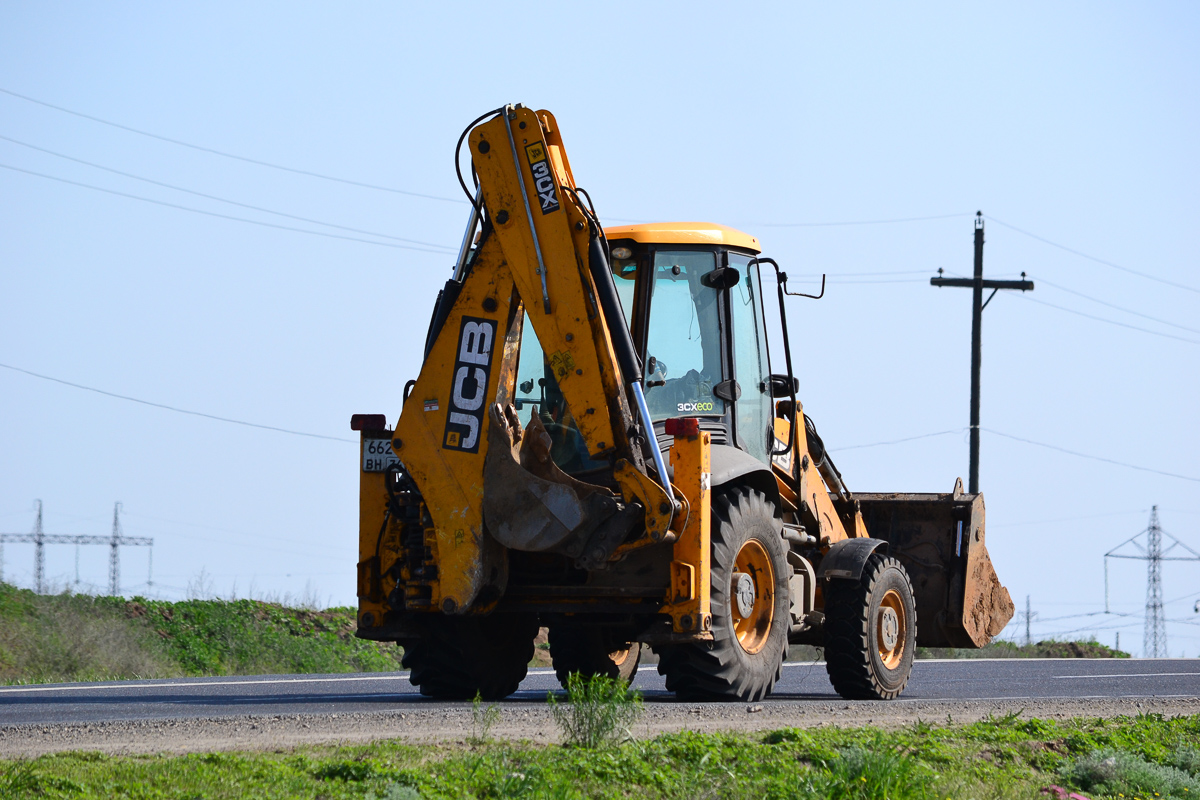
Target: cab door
(753,415)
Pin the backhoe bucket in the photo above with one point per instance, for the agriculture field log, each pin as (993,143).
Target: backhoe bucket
(530,504)
(939,538)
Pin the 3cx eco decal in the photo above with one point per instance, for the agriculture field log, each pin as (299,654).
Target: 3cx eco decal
(472,368)
(543,181)
(697,407)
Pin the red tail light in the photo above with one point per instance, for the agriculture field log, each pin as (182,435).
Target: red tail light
(683,426)
(368,422)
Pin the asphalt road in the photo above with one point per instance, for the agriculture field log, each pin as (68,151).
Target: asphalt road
(215,698)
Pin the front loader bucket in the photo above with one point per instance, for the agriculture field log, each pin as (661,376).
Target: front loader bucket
(939,538)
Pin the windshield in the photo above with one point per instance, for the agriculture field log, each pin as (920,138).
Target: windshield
(683,346)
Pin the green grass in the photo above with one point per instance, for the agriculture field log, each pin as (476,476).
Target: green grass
(68,637)
(1133,757)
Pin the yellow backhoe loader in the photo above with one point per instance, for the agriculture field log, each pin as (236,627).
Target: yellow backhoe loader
(605,439)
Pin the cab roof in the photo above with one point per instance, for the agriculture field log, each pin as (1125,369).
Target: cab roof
(684,233)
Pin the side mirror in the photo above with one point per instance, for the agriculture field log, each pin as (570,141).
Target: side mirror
(656,373)
(721,278)
(780,386)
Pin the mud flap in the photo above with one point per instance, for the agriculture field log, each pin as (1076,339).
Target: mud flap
(939,538)
(530,504)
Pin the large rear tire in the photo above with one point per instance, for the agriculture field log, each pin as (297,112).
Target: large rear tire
(456,658)
(871,631)
(591,651)
(750,607)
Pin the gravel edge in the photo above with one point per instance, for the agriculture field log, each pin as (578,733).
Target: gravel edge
(532,723)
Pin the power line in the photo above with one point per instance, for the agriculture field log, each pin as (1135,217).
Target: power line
(218,199)
(1093,458)
(1088,614)
(836,280)
(1093,258)
(290,540)
(1181,597)
(896,441)
(219,216)
(1118,308)
(1065,519)
(811,224)
(175,409)
(1026,441)
(858,274)
(232,155)
(1112,321)
(856,222)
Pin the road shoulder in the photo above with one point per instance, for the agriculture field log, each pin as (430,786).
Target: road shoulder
(532,722)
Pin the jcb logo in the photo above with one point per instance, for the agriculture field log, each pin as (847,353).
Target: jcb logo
(472,369)
(543,180)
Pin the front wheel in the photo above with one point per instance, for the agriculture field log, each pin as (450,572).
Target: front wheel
(750,606)
(871,631)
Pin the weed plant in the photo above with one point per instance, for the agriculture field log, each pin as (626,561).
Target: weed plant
(599,711)
(875,774)
(1111,772)
(482,719)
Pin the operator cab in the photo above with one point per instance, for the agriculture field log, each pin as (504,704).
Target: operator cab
(694,304)
(693,300)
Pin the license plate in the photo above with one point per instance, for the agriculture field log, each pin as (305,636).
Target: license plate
(378,455)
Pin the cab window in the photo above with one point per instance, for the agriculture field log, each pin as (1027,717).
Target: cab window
(683,343)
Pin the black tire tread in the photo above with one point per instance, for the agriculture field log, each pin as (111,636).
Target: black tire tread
(456,658)
(847,633)
(697,672)
(583,650)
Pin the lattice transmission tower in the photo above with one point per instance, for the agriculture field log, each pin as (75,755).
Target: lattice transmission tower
(39,539)
(1154,640)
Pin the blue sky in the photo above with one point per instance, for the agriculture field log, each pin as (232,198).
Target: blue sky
(1075,122)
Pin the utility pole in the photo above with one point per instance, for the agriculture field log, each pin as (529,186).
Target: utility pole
(1154,637)
(977,284)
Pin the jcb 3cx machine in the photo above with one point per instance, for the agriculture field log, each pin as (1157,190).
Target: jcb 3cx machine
(603,441)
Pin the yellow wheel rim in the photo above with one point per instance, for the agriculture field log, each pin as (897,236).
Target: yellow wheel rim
(752,596)
(891,629)
(619,657)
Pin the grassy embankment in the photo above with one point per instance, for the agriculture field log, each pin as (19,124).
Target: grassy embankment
(66,637)
(1144,757)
